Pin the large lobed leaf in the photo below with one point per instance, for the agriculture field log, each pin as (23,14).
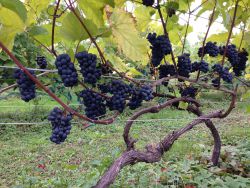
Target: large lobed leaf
(127,37)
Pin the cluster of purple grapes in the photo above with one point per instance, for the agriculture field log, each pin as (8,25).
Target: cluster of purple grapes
(88,66)
(94,104)
(202,66)
(184,65)
(231,53)
(237,59)
(160,46)
(26,86)
(148,2)
(121,92)
(223,72)
(210,48)
(239,67)
(189,92)
(61,125)
(140,94)
(41,62)
(66,70)
(165,71)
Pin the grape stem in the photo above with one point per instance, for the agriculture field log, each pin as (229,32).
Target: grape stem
(165,32)
(185,36)
(205,38)
(230,32)
(53,28)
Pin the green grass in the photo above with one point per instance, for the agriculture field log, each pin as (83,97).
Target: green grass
(86,154)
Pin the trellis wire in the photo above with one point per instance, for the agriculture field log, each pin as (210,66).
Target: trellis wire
(115,77)
(76,104)
(137,120)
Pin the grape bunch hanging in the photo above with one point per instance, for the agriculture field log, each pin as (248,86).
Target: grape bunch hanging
(26,86)
(116,95)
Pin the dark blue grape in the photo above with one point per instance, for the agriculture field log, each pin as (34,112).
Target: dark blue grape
(184,65)
(66,70)
(41,62)
(26,86)
(148,2)
(61,125)
(160,46)
(89,69)
(94,104)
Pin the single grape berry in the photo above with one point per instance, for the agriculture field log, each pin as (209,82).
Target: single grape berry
(148,2)
(88,65)
(61,125)
(210,48)
(26,86)
(189,92)
(41,62)
(66,70)
(94,104)
(160,46)
(184,65)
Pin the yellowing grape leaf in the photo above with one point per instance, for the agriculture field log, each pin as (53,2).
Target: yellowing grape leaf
(117,62)
(9,27)
(94,10)
(143,17)
(221,37)
(127,37)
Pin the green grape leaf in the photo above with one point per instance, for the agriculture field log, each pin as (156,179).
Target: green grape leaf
(37,30)
(72,29)
(16,6)
(127,37)
(221,37)
(9,27)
